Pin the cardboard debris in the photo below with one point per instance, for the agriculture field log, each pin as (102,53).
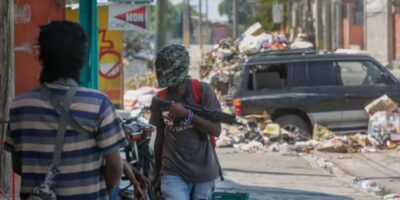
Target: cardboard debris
(336,145)
(272,129)
(255,29)
(383,103)
(321,132)
(360,139)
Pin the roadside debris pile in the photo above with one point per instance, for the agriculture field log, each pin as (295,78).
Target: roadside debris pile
(142,94)
(220,65)
(138,47)
(248,138)
(138,57)
(139,81)
(261,134)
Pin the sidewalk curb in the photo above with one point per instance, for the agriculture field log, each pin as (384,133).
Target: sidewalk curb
(316,159)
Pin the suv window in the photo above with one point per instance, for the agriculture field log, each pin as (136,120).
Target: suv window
(299,75)
(354,73)
(321,73)
(268,77)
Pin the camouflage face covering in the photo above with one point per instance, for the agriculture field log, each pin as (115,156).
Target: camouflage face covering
(172,65)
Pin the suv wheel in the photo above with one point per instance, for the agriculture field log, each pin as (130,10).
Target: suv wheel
(295,125)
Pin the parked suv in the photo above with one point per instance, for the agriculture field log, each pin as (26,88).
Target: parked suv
(299,89)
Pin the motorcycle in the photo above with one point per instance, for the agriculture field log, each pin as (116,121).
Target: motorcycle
(139,153)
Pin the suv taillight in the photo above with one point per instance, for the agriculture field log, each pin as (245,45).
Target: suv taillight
(238,107)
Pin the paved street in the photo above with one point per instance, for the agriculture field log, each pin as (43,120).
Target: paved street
(381,167)
(282,176)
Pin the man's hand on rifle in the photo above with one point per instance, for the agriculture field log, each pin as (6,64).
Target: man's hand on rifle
(178,111)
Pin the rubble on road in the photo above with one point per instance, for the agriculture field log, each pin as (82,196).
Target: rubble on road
(383,134)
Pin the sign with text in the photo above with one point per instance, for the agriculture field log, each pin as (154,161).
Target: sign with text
(111,77)
(128,17)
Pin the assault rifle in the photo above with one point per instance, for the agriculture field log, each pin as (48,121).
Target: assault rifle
(211,115)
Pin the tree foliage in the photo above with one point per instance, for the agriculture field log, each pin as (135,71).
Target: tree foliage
(172,16)
(250,13)
(264,13)
(244,11)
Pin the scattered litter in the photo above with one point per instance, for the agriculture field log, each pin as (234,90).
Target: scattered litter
(325,164)
(252,146)
(369,150)
(392,197)
(336,145)
(368,185)
(274,148)
(384,129)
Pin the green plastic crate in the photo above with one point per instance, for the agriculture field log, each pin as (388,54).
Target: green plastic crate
(230,196)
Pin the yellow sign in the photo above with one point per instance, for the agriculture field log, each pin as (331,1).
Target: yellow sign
(110,56)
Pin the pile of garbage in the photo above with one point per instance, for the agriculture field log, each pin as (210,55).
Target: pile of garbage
(135,82)
(261,134)
(138,57)
(219,66)
(137,46)
(139,97)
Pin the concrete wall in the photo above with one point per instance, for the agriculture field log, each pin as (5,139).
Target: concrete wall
(29,15)
(397,36)
(379,30)
(353,35)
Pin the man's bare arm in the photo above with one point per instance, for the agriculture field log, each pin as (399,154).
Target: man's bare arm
(112,171)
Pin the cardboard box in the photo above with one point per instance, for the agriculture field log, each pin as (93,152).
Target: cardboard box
(383,103)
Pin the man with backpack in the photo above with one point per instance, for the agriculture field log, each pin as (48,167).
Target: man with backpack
(186,162)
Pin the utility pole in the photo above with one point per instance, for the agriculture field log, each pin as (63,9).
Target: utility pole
(160,24)
(6,59)
(235,19)
(200,29)
(327,25)
(208,25)
(318,25)
(6,83)
(186,23)
(89,22)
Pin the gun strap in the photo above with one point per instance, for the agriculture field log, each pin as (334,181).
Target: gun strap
(62,107)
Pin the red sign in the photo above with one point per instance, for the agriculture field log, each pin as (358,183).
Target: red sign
(136,17)
(128,17)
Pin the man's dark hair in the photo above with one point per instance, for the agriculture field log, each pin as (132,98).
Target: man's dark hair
(62,50)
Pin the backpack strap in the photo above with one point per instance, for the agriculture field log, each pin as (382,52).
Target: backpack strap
(162,94)
(196,91)
(197,98)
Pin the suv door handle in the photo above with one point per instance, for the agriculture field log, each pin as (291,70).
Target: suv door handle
(349,96)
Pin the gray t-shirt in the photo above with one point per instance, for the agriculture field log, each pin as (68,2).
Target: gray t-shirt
(187,151)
